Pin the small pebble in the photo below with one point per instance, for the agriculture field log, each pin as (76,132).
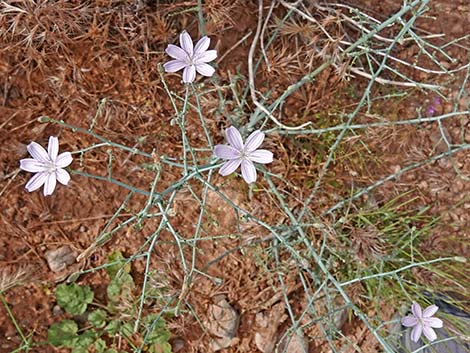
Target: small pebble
(57,310)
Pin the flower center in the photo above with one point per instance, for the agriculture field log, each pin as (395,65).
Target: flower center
(190,59)
(50,167)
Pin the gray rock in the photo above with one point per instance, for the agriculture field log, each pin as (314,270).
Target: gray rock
(223,323)
(294,344)
(60,258)
(57,310)
(268,323)
(177,345)
(224,319)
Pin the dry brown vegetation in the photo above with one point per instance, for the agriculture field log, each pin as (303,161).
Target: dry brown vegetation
(96,65)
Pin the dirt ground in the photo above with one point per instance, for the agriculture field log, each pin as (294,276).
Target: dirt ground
(62,59)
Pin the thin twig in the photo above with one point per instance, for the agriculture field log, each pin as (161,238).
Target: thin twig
(252,76)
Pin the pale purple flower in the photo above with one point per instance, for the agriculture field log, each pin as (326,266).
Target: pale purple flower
(430,111)
(48,166)
(432,108)
(237,153)
(191,58)
(422,322)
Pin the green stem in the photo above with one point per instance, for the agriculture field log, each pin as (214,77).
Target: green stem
(12,317)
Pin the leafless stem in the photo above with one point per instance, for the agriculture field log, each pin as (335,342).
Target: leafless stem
(252,76)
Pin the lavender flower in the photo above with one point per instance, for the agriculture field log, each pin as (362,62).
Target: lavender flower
(422,322)
(432,108)
(237,153)
(48,166)
(191,58)
(430,111)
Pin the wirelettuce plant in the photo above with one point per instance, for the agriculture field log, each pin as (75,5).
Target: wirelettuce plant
(310,244)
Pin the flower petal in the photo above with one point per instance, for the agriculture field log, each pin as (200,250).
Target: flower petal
(429,333)
(254,141)
(53,147)
(226,152)
(433,322)
(62,176)
(36,181)
(229,167)
(50,184)
(174,65)
(205,69)
(261,156)
(416,333)
(205,57)
(416,310)
(430,310)
(202,45)
(409,321)
(186,43)
(37,152)
(248,171)
(189,74)
(63,160)
(31,165)
(234,138)
(176,52)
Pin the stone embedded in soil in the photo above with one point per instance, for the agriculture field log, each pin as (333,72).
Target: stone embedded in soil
(60,258)
(268,323)
(223,321)
(218,344)
(297,344)
(57,310)
(177,345)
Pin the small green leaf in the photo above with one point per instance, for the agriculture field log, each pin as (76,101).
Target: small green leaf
(119,262)
(112,328)
(111,350)
(83,341)
(127,329)
(159,335)
(79,350)
(100,345)
(73,298)
(113,290)
(120,287)
(62,333)
(98,318)
(160,348)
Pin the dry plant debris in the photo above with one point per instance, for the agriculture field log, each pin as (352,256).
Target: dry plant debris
(363,209)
